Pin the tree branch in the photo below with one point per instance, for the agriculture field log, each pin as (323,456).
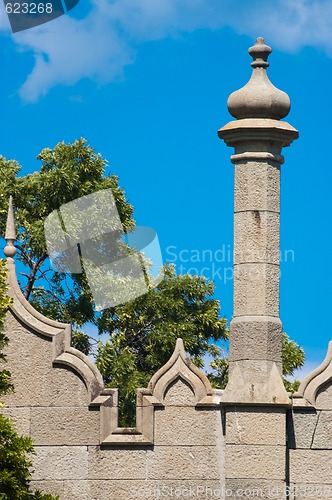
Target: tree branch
(25,255)
(33,271)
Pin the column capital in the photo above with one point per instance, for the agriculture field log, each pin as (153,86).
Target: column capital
(254,131)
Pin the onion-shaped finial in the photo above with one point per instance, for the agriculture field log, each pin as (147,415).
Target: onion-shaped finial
(259,98)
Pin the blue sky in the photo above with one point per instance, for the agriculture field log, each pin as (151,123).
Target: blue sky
(146,82)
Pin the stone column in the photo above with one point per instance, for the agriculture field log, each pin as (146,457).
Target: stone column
(258,137)
(255,397)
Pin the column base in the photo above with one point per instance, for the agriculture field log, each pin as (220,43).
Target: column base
(255,382)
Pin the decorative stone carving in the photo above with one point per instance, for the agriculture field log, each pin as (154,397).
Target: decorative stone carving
(316,387)
(178,372)
(259,98)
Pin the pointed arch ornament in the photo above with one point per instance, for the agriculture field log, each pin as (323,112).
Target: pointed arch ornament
(179,366)
(317,381)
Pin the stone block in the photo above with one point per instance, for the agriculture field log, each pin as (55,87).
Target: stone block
(20,417)
(29,357)
(257,187)
(41,385)
(256,338)
(256,290)
(36,381)
(185,462)
(303,423)
(68,389)
(64,426)
(50,487)
(312,491)
(324,397)
(126,490)
(83,490)
(179,393)
(115,463)
(183,426)
(262,489)
(256,237)
(255,462)
(260,426)
(60,462)
(256,370)
(310,466)
(323,432)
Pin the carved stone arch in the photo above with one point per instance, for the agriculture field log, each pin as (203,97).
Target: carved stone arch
(179,366)
(319,382)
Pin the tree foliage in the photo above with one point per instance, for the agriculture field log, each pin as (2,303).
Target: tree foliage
(143,333)
(67,172)
(292,359)
(15,464)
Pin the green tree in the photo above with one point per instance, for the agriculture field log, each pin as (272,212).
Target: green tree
(292,358)
(141,333)
(68,172)
(15,462)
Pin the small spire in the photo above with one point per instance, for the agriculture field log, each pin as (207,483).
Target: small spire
(260,53)
(10,235)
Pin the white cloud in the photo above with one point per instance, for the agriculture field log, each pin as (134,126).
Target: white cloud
(67,50)
(293,25)
(99,46)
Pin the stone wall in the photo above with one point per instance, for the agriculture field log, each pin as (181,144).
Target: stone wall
(189,439)
(310,433)
(60,402)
